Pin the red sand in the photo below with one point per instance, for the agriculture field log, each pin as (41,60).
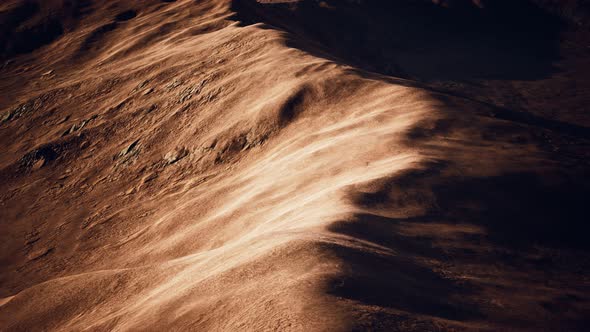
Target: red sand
(219,165)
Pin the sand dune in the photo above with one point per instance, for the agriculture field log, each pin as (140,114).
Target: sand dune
(285,165)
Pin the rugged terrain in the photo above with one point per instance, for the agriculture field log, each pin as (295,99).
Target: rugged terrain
(294,165)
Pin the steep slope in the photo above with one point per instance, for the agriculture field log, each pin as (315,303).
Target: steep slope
(228,165)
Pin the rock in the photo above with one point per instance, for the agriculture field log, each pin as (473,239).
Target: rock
(77,127)
(32,238)
(64,119)
(174,84)
(149,178)
(39,253)
(128,149)
(72,129)
(83,124)
(189,92)
(38,164)
(22,109)
(39,157)
(7,116)
(174,156)
(142,85)
(151,108)
(127,154)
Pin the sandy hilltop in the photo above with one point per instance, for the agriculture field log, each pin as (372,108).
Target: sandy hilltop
(337,165)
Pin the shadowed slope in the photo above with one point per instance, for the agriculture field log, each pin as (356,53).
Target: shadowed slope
(418,39)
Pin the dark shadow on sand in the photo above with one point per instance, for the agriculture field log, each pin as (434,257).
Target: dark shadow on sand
(411,43)
(415,39)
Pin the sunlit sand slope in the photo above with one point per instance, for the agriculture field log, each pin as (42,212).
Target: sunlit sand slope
(228,165)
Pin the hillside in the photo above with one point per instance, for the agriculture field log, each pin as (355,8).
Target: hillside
(305,165)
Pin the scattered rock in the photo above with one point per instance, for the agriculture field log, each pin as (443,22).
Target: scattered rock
(148,91)
(152,108)
(141,85)
(23,109)
(174,84)
(174,156)
(127,154)
(150,177)
(83,124)
(39,253)
(38,164)
(32,237)
(128,149)
(71,130)
(189,92)
(212,95)
(6,117)
(65,118)
(80,126)
(38,157)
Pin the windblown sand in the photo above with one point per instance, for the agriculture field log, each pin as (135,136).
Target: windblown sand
(223,165)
